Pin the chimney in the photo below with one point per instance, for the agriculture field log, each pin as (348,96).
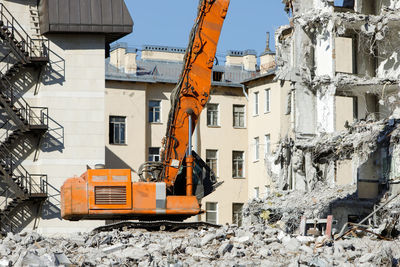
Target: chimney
(123,58)
(163,53)
(246,59)
(250,60)
(267,58)
(267,48)
(234,58)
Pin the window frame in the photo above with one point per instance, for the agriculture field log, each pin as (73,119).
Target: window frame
(256,148)
(243,165)
(152,111)
(256,108)
(240,213)
(216,160)
(217,116)
(244,116)
(212,211)
(267,106)
(111,140)
(154,155)
(267,146)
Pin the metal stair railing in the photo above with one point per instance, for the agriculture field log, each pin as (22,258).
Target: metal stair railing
(32,183)
(25,111)
(38,116)
(34,47)
(7,195)
(8,62)
(7,128)
(38,184)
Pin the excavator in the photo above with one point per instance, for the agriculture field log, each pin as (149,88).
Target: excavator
(171,189)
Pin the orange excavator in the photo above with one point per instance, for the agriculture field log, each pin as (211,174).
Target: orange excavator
(172,188)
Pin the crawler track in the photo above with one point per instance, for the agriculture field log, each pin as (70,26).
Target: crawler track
(155,226)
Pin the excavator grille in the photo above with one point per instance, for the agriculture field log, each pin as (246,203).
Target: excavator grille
(110,195)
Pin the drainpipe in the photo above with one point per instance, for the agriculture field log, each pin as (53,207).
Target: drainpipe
(244,92)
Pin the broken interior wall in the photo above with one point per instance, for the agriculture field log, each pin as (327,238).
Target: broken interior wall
(389,56)
(327,53)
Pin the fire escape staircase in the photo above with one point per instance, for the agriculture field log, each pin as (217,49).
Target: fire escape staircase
(19,186)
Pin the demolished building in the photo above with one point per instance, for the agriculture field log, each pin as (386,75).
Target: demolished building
(342,62)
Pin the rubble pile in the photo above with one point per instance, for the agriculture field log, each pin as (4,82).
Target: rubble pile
(313,160)
(386,222)
(283,209)
(361,138)
(252,245)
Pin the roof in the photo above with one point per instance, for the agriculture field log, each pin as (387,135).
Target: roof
(110,17)
(259,76)
(153,71)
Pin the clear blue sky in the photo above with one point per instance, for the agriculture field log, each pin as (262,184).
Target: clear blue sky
(168,22)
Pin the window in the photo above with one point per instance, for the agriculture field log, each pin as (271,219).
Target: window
(237,213)
(267,148)
(154,110)
(267,101)
(217,76)
(212,114)
(237,164)
(211,212)
(256,192)
(255,103)
(117,130)
(212,160)
(154,154)
(256,148)
(238,116)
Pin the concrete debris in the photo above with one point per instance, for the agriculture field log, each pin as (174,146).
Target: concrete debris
(283,209)
(249,245)
(314,160)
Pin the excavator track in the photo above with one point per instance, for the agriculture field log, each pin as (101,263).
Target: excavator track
(154,226)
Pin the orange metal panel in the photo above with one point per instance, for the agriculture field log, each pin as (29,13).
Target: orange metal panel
(103,178)
(182,205)
(74,200)
(144,197)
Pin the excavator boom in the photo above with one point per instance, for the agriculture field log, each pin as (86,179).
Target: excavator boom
(193,90)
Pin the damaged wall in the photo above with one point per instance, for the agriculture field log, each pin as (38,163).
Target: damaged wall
(343,62)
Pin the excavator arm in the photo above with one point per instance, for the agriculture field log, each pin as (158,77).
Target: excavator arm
(192,92)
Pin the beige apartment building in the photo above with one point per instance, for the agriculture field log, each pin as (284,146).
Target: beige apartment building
(52,98)
(268,124)
(137,106)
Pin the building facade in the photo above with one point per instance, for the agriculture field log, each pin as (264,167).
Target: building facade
(52,98)
(137,106)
